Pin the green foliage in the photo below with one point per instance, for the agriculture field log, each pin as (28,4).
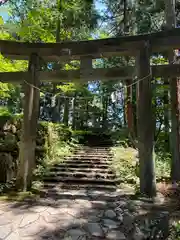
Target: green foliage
(120,137)
(163,161)
(8,92)
(5,115)
(35,21)
(175,231)
(126,164)
(4,112)
(57,144)
(74,17)
(80,136)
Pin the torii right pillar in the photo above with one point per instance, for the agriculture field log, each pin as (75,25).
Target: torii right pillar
(145,123)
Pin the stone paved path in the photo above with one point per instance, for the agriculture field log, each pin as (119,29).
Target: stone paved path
(79,202)
(79,215)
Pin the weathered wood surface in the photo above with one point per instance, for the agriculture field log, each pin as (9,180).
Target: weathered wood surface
(129,107)
(103,74)
(86,67)
(145,124)
(30,121)
(93,48)
(13,77)
(170,14)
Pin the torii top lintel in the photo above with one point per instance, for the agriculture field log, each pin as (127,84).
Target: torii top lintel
(128,45)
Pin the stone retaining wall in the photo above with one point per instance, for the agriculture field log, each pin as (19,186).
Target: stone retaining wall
(10,133)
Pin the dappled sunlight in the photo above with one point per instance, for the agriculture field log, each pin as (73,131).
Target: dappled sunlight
(78,214)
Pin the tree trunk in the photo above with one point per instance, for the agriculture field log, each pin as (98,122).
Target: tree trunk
(175,100)
(81,119)
(175,129)
(58,25)
(87,113)
(129,108)
(124,107)
(134,108)
(145,124)
(28,138)
(166,115)
(125,17)
(66,112)
(105,105)
(55,112)
(74,113)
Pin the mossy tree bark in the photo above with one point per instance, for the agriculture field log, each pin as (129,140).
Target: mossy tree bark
(30,121)
(145,124)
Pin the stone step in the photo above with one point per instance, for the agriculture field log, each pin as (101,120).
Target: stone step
(90,162)
(82,180)
(106,149)
(85,170)
(83,165)
(79,186)
(80,174)
(93,153)
(91,194)
(86,156)
(93,148)
(87,160)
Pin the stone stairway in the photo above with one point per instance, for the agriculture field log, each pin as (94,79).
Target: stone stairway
(87,168)
(79,201)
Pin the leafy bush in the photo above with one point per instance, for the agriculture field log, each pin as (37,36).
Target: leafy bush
(5,116)
(120,137)
(4,112)
(57,143)
(79,136)
(163,165)
(126,164)
(175,231)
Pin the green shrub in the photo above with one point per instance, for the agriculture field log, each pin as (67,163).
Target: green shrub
(56,139)
(120,137)
(80,136)
(126,164)
(175,231)
(163,160)
(4,112)
(5,116)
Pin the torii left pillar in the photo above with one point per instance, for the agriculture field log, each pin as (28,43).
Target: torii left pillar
(29,129)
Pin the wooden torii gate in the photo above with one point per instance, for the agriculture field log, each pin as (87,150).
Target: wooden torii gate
(141,47)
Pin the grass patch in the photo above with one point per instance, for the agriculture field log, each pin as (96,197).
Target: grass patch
(18,196)
(125,165)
